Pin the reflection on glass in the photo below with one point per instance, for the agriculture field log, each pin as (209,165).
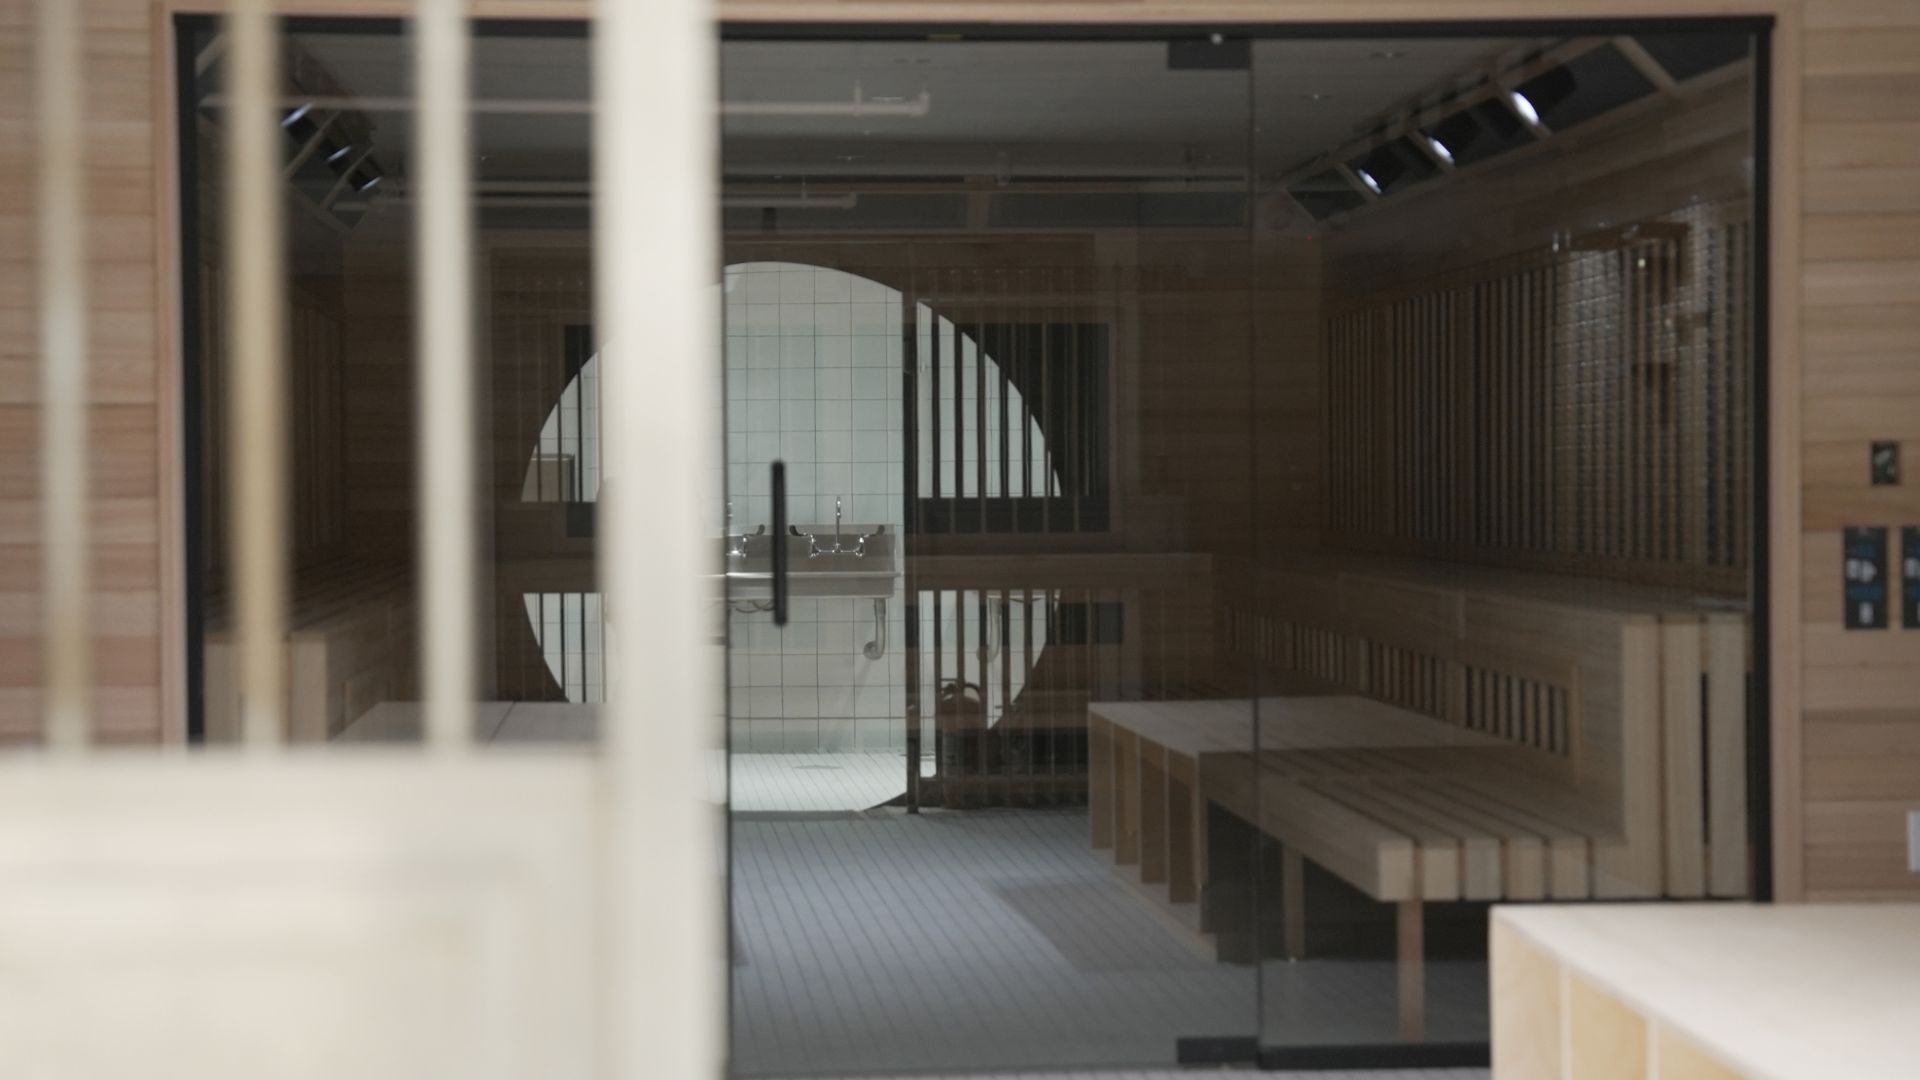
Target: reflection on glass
(1513,666)
(1253,505)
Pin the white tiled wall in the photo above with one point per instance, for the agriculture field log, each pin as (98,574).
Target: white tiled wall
(813,378)
(813,361)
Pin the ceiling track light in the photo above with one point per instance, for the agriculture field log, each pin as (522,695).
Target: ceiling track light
(1537,98)
(1524,108)
(1448,133)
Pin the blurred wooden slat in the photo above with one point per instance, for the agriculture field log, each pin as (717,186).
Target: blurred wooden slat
(64,453)
(257,447)
(446,403)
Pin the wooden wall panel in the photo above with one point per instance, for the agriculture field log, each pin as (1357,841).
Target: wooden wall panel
(1861,736)
(1859,209)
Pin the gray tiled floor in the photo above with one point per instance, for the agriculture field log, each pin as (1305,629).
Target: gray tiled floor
(987,941)
(1220,1075)
(1217,1074)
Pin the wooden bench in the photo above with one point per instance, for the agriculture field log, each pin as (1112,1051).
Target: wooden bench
(1628,703)
(1481,739)
(350,646)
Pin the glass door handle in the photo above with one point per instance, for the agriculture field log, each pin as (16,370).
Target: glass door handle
(779,486)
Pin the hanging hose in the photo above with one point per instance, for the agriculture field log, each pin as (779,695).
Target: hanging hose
(877,648)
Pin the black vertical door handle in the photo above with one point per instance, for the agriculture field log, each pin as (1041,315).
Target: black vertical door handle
(779,543)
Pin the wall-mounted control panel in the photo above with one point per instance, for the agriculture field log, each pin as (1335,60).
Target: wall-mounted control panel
(1910,577)
(1864,556)
(1913,841)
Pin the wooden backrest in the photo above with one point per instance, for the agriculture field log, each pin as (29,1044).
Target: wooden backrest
(1631,702)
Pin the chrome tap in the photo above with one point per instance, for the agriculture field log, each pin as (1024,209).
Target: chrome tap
(815,549)
(737,542)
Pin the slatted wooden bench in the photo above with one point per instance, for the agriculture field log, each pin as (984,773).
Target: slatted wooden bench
(1481,740)
(350,646)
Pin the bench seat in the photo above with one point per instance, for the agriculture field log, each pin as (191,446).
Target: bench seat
(349,647)
(1404,807)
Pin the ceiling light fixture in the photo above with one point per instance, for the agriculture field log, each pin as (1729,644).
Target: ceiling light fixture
(293,117)
(1524,107)
(1367,179)
(1316,95)
(1547,92)
(1440,148)
(1459,131)
(1388,54)
(340,153)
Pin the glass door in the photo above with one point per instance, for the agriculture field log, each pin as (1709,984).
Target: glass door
(988,319)
(1498,611)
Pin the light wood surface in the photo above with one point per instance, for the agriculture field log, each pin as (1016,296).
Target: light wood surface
(1404,807)
(315,911)
(1677,992)
(350,645)
(1599,690)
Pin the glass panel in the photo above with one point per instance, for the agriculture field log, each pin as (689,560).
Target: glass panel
(1432,452)
(1499,615)
(348,163)
(994,322)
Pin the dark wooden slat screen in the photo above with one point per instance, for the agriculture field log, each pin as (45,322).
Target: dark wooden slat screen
(1582,409)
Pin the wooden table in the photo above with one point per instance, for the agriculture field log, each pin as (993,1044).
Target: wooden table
(1405,808)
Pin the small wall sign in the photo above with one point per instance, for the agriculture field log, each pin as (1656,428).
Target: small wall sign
(1886,463)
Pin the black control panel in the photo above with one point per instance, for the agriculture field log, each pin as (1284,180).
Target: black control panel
(1910,577)
(1864,555)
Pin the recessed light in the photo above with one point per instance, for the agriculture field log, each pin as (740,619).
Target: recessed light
(1367,179)
(1388,54)
(1440,148)
(1315,95)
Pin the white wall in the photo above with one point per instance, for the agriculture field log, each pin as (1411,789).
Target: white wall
(813,362)
(813,378)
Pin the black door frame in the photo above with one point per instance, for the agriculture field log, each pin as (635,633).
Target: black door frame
(1384,1055)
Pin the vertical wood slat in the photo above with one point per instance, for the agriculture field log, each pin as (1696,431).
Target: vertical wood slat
(64,546)
(257,306)
(1726,667)
(657,298)
(444,459)
(1681,758)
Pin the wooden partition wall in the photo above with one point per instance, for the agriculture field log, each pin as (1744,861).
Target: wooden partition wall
(1583,408)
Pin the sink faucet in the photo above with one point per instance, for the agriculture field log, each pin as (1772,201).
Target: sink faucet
(815,549)
(737,542)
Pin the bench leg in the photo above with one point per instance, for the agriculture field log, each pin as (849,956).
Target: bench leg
(1293,903)
(1413,972)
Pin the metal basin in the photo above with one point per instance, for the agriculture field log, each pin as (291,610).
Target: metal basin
(812,573)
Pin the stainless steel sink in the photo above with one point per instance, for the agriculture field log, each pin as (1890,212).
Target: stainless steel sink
(860,564)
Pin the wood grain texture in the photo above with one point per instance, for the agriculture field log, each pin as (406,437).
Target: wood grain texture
(1692,991)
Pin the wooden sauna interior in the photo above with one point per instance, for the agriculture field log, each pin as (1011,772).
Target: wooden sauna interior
(1477,449)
